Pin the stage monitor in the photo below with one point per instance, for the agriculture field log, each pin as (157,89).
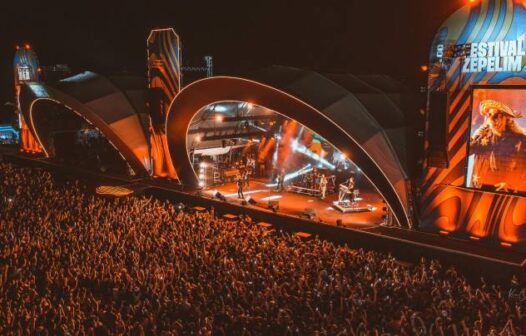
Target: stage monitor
(497,143)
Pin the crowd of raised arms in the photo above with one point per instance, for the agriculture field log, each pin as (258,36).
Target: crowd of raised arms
(73,263)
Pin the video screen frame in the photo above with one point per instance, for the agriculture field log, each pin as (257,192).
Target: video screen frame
(473,109)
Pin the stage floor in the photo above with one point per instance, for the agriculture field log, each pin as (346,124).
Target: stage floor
(294,204)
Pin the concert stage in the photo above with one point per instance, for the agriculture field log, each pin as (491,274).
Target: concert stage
(295,204)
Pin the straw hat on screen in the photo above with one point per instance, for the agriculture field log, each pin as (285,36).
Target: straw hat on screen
(487,105)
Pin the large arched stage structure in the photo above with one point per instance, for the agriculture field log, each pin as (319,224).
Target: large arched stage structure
(333,118)
(114,106)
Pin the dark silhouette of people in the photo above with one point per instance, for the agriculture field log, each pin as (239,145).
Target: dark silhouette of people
(74,263)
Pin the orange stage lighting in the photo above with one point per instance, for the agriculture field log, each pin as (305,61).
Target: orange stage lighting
(266,149)
(288,133)
(424,68)
(262,143)
(247,147)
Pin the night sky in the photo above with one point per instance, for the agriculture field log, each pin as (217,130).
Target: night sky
(367,36)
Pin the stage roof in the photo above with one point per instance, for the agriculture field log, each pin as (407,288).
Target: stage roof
(359,106)
(370,106)
(115,105)
(319,103)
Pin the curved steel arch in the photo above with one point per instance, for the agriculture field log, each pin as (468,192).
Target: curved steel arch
(93,119)
(211,90)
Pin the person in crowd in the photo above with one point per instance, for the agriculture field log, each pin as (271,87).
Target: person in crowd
(74,263)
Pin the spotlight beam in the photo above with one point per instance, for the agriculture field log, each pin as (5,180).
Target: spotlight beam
(296,147)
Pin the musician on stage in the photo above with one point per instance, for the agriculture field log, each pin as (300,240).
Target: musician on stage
(350,185)
(281,180)
(240,183)
(323,186)
(246,177)
(251,163)
(347,190)
(314,178)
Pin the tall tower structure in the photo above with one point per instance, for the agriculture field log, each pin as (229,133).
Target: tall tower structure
(164,80)
(26,69)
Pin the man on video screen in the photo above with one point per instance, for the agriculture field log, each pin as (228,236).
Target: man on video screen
(499,148)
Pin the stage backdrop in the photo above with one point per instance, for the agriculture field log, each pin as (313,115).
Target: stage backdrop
(478,60)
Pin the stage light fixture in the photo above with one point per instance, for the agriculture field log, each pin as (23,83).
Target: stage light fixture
(294,144)
(220,196)
(219,108)
(274,206)
(310,213)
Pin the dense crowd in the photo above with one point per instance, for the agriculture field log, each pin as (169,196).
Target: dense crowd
(73,263)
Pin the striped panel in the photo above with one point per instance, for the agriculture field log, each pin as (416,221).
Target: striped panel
(164,63)
(164,76)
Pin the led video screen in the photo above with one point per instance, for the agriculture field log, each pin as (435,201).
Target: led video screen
(497,145)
